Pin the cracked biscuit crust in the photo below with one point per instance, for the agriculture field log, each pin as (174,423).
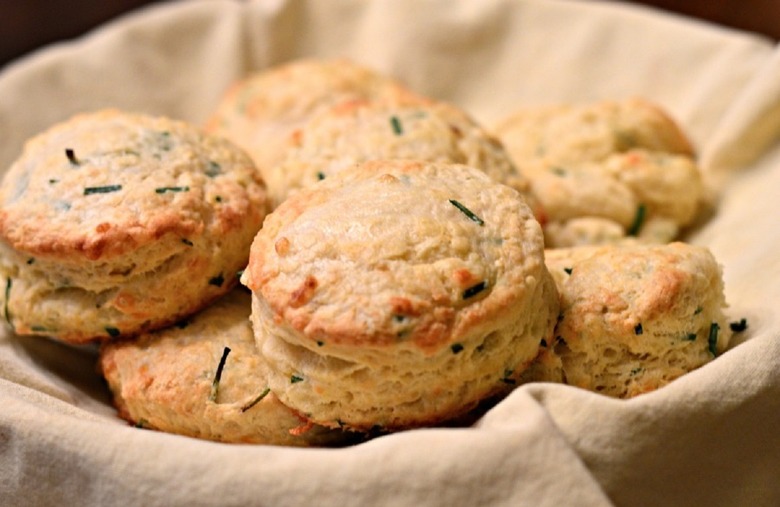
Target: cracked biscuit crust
(112,223)
(399,294)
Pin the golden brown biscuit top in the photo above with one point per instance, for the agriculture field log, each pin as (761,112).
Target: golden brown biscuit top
(259,111)
(295,89)
(355,131)
(103,184)
(615,290)
(590,132)
(395,252)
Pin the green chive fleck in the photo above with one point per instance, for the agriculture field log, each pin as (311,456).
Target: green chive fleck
(165,141)
(690,337)
(142,423)
(467,212)
(738,326)
(39,328)
(71,156)
(163,190)
(112,331)
(507,378)
(558,171)
(474,290)
(294,379)
(255,401)
(698,310)
(239,273)
(217,280)
(568,270)
(102,190)
(218,198)
(213,169)
(712,340)
(218,375)
(625,139)
(31,261)
(396,124)
(320,343)
(638,329)
(456,348)
(543,343)
(320,175)
(52,181)
(639,219)
(8,284)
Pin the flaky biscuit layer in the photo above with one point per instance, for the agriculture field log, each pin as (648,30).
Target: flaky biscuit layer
(634,317)
(398,293)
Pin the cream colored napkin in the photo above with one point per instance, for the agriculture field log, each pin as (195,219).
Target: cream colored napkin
(709,438)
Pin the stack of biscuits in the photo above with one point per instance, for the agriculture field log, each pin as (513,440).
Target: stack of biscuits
(334,256)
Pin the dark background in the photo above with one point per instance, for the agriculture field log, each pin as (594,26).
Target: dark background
(28,24)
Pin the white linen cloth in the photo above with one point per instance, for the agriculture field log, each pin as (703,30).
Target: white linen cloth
(710,438)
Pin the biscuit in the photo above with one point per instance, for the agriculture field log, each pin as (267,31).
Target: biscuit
(112,223)
(357,131)
(652,196)
(574,133)
(399,294)
(607,171)
(634,317)
(260,111)
(165,381)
